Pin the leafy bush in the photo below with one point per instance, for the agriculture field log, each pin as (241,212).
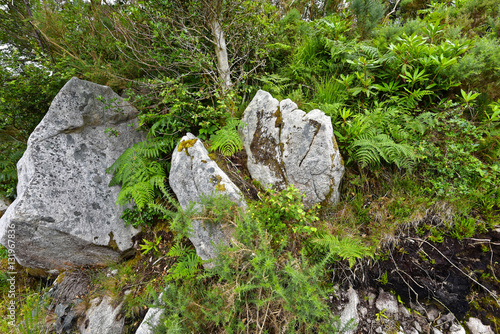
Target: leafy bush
(256,283)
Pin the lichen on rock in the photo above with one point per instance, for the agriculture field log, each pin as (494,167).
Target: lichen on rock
(194,174)
(65,212)
(287,146)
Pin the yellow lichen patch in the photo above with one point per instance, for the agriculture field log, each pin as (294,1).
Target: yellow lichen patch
(219,186)
(185,144)
(335,143)
(112,243)
(60,278)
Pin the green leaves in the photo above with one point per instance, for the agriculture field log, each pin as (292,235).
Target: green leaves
(140,174)
(187,263)
(468,97)
(150,245)
(417,76)
(495,115)
(227,140)
(345,248)
(370,149)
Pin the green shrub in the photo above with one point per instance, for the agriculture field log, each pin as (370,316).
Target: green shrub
(263,280)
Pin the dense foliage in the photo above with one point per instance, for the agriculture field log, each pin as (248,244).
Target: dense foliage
(412,89)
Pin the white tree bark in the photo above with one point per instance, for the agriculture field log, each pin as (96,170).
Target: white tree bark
(221,53)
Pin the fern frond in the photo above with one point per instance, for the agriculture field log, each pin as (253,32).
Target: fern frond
(346,248)
(369,151)
(227,140)
(398,133)
(139,172)
(370,51)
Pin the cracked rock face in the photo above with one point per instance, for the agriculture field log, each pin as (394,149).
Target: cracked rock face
(287,146)
(193,175)
(65,214)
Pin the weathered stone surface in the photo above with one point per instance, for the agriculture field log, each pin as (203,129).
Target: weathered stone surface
(192,175)
(102,318)
(349,314)
(456,328)
(151,320)
(67,293)
(3,206)
(386,301)
(287,146)
(65,214)
(476,327)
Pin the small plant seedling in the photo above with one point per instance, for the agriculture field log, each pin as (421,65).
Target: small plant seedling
(149,245)
(383,279)
(381,315)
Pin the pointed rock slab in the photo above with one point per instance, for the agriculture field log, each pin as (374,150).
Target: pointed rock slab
(287,146)
(192,175)
(65,214)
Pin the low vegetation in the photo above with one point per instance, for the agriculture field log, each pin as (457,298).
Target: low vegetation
(412,89)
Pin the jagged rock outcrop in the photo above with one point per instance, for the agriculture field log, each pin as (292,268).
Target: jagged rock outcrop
(65,214)
(192,175)
(287,146)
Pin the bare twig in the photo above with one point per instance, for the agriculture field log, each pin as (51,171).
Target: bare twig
(393,10)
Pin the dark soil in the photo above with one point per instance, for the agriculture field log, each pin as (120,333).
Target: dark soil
(454,274)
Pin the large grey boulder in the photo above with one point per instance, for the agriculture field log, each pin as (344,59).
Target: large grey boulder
(65,214)
(193,175)
(287,146)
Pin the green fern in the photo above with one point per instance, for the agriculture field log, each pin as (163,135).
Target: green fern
(371,150)
(276,85)
(420,123)
(139,172)
(10,153)
(187,263)
(370,51)
(8,170)
(398,133)
(345,248)
(227,140)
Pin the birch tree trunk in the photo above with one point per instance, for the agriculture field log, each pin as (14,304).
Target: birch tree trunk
(221,53)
